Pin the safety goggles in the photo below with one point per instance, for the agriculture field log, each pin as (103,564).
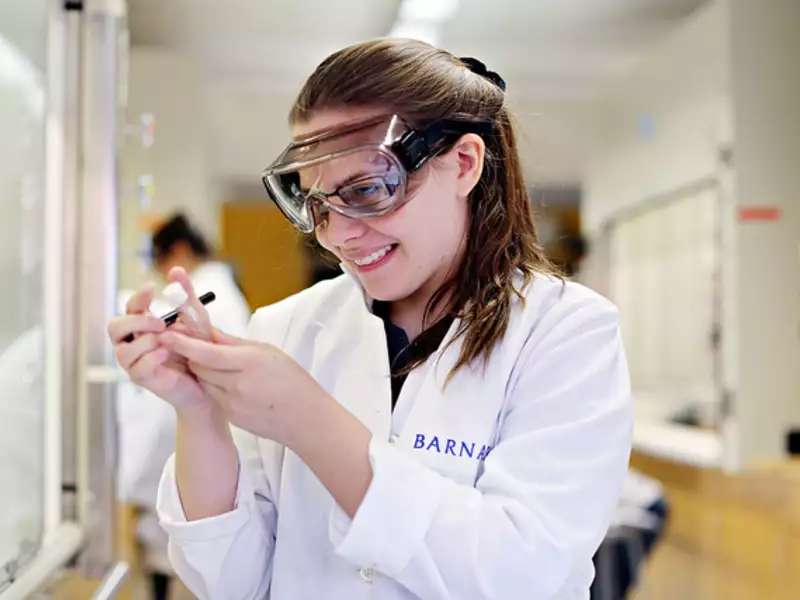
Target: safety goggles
(359,170)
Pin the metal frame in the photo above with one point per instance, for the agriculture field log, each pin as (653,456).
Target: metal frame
(65,336)
(97,283)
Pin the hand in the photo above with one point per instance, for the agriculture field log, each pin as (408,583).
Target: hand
(259,388)
(146,361)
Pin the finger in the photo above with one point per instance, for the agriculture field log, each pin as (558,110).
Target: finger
(179,327)
(198,316)
(120,328)
(194,312)
(140,301)
(216,393)
(177,363)
(204,353)
(195,323)
(127,354)
(223,379)
(179,275)
(143,369)
(220,337)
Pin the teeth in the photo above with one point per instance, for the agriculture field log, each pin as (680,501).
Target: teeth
(374,257)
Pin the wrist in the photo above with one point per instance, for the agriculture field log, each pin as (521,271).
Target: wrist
(316,414)
(326,424)
(207,415)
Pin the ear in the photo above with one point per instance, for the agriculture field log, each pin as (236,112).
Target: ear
(469,152)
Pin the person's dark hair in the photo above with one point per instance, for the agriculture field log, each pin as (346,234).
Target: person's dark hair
(422,84)
(178,229)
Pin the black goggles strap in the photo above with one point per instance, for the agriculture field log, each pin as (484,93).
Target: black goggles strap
(416,147)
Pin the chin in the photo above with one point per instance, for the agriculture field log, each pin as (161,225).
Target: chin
(387,291)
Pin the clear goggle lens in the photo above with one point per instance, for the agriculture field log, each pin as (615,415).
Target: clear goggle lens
(359,183)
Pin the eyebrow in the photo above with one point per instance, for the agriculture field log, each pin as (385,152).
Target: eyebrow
(353,179)
(347,180)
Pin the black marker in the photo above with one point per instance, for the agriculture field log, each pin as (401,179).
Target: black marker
(172,316)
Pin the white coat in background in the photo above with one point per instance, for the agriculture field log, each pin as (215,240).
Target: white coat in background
(500,485)
(147,423)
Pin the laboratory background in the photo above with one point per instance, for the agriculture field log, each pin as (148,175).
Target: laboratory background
(661,147)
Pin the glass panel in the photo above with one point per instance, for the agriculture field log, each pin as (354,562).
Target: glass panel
(664,270)
(22,123)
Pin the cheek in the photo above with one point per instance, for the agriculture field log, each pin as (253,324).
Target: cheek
(322,239)
(430,226)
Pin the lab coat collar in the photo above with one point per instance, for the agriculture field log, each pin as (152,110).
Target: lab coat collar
(452,351)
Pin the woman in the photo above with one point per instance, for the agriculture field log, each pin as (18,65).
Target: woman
(483,459)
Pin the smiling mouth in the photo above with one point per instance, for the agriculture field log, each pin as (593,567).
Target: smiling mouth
(375,257)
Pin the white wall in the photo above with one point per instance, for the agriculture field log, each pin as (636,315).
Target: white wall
(660,130)
(663,126)
(169,86)
(766,91)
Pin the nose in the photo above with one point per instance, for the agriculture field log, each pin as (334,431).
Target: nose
(340,229)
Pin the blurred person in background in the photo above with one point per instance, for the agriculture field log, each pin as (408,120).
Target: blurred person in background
(447,419)
(147,424)
(176,243)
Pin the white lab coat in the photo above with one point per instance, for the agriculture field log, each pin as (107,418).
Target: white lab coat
(147,423)
(441,519)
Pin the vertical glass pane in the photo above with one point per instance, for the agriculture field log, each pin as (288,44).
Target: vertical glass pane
(664,277)
(22,165)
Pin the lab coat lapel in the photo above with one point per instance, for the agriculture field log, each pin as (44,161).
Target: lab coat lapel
(449,425)
(357,373)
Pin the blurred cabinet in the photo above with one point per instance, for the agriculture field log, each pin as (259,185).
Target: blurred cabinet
(270,258)
(729,536)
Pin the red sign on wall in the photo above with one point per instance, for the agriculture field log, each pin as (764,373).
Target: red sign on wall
(748,214)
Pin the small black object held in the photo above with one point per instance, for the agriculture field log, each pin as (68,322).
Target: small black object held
(76,5)
(172,316)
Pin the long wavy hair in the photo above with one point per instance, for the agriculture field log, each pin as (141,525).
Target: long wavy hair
(502,254)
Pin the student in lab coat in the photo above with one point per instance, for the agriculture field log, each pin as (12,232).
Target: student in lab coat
(448,418)
(176,243)
(146,423)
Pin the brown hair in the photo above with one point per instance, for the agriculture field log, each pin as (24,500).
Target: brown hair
(422,84)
